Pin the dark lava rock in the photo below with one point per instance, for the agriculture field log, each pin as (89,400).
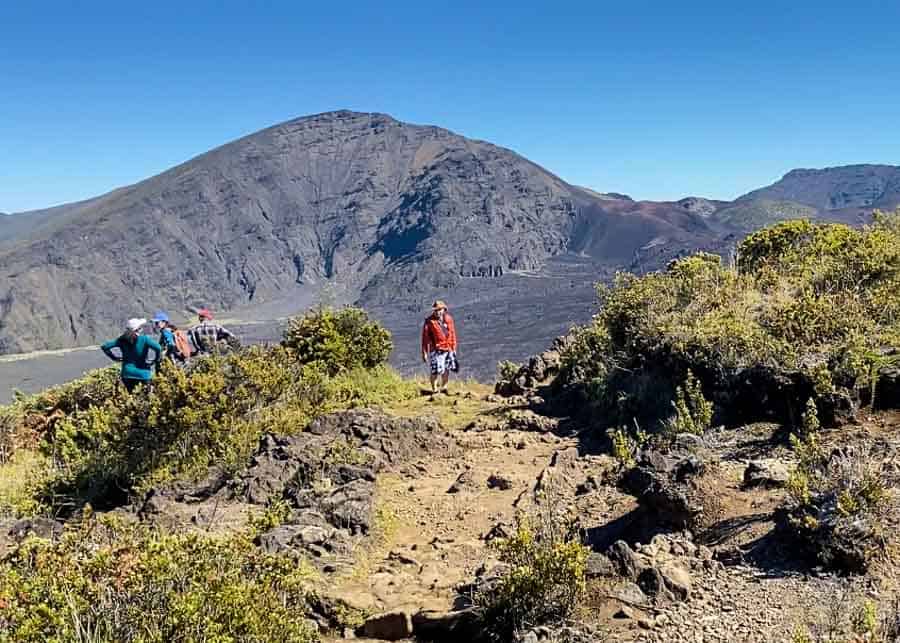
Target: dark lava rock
(536,371)
(887,389)
(664,484)
(447,627)
(465,480)
(658,572)
(497,481)
(843,543)
(40,527)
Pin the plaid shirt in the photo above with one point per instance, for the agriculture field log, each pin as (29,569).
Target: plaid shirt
(207,334)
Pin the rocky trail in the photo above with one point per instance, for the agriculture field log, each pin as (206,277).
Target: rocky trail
(396,508)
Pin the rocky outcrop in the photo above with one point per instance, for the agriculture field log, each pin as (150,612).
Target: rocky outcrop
(391,626)
(327,476)
(539,369)
(841,519)
(670,487)
(654,574)
(836,188)
(887,387)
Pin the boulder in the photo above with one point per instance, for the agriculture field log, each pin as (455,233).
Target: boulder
(659,570)
(666,486)
(461,625)
(630,594)
(676,579)
(498,481)
(277,540)
(538,370)
(846,544)
(465,480)
(887,388)
(39,527)
(597,565)
(350,506)
(766,473)
(527,420)
(628,562)
(392,626)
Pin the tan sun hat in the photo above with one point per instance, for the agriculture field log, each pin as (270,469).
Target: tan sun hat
(438,305)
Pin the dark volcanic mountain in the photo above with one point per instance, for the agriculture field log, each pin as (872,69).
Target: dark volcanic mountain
(836,188)
(371,207)
(345,207)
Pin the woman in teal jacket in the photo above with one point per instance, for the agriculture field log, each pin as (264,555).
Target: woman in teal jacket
(134,353)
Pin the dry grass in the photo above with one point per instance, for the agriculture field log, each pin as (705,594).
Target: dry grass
(454,411)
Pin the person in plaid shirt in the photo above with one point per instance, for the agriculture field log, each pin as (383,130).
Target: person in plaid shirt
(207,334)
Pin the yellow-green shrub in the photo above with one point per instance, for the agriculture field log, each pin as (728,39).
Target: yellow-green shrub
(24,422)
(213,413)
(800,294)
(108,582)
(339,340)
(545,582)
(693,412)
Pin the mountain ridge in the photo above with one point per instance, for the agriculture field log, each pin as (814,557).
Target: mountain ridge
(343,207)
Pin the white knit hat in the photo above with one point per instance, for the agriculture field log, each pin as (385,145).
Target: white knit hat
(135,324)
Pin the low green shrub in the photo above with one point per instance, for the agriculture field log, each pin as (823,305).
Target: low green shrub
(339,340)
(188,421)
(109,582)
(104,445)
(545,582)
(835,502)
(507,370)
(819,301)
(24,422)
(693,412)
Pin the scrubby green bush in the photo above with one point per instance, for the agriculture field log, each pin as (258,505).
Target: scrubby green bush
(693,412)
(623,447)
(507,370)
(339,340)
(24,422)
(103,445)
(544,584)
(109,582)
(835,501)
(821,301)
(188,421)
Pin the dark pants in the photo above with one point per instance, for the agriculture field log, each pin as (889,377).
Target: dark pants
(130,384)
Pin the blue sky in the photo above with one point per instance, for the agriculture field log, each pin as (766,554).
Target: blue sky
(655,99)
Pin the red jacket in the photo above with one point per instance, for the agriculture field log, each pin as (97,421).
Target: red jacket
(434,338)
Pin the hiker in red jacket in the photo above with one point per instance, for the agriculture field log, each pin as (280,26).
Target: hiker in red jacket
(439,345)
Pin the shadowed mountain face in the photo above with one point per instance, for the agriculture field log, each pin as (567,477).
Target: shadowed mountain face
(372,208)
(345,207)
(836,188)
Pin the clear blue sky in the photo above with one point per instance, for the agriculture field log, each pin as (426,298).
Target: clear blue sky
(655,99)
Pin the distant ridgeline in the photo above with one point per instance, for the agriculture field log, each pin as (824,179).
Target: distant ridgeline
(366,204)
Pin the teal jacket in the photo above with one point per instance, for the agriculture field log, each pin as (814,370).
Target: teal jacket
(134,357)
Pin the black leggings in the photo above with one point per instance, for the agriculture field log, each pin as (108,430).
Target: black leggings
(130,384)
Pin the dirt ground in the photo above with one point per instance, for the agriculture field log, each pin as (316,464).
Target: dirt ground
(751,592)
